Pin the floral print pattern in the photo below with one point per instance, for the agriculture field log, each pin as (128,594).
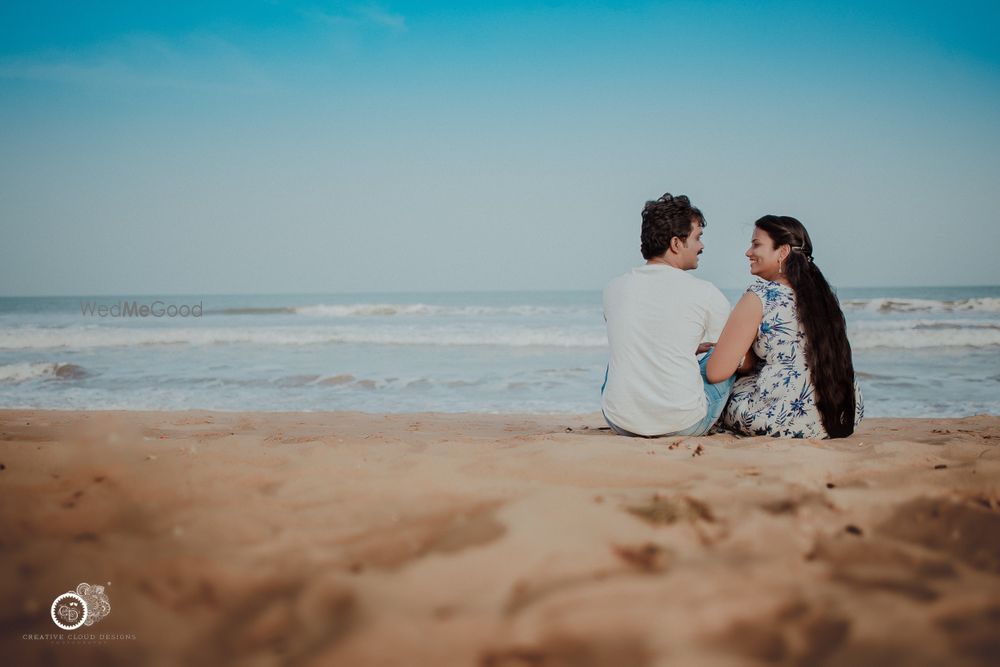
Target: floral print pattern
(777,398)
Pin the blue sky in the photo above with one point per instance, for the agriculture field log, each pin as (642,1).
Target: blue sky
(328,146)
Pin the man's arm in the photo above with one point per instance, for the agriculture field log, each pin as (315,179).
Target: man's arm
(718,314)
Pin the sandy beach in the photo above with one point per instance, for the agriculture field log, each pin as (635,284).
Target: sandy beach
(496,540)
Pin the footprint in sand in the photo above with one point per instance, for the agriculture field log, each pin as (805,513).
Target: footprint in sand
(968,531)
(791,504)
(302,618)
(564,651)
(643,559)
(444,532)
(879,565)
(973,632)
(660,510)
(798,633)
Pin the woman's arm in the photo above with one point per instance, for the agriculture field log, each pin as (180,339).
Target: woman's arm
(736,338)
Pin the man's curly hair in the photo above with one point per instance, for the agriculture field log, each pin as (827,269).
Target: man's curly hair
(664,219)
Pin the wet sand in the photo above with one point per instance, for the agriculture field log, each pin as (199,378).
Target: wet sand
(502,541)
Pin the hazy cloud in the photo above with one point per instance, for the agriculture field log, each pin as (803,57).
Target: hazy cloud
(360,15)
(202,62)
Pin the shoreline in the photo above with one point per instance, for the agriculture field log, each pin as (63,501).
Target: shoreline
(315,538)
(592,420)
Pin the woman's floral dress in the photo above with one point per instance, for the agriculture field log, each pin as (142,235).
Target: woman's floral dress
(777,399)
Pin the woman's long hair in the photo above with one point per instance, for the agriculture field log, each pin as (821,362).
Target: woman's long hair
(828,352)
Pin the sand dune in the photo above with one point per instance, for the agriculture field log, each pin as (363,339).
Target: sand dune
(502,541)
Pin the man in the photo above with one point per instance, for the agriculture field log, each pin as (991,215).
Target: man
(659,317)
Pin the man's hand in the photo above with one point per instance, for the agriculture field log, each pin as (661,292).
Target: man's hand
(704,347)
(748,363)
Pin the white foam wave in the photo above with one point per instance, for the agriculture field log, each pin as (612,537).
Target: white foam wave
(103,337)
(22,372)
(422,309)
(916,334)
(349,382)
(865,334)
(892,305)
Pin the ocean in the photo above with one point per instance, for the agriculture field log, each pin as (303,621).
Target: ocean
(919,352)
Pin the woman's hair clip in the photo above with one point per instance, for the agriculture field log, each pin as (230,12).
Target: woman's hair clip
(802,249)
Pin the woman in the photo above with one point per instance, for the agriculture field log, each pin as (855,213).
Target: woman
(788,335)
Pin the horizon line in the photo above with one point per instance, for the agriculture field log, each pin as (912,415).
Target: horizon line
(437,291)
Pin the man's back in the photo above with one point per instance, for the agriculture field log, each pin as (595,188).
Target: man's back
(657,315)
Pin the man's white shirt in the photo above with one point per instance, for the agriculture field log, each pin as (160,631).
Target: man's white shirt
(657,315)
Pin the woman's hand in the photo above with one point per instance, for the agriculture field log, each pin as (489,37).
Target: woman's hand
(704,347)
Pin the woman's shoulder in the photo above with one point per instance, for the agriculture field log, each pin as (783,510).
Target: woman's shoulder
(768,290)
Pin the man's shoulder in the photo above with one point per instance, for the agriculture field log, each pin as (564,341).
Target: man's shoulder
(710,296)
(680,281)
(704,285)
(616,282)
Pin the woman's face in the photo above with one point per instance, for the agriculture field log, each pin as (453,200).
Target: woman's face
(765,259)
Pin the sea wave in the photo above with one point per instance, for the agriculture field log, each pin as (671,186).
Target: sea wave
(409,310)
(864,334)
(77,338)
(878,305)
(917,334)
(350,382)
(22,372)
(252,311)
(893,305)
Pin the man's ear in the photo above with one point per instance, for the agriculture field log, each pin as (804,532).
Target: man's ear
(676,243)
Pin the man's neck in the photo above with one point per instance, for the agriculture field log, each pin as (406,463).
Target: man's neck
(666,259)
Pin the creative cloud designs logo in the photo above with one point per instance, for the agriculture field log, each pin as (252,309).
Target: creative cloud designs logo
(88,605)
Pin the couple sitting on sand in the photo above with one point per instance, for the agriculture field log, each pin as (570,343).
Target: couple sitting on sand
(781,365)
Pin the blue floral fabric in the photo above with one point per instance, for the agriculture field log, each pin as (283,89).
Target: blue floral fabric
(777,398)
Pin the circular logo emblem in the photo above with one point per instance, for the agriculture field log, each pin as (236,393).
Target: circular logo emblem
(69,611)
